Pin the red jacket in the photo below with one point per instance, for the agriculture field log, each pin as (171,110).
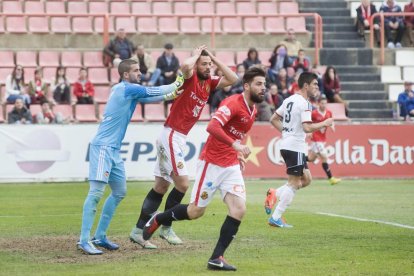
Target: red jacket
(409,8)
(78,89)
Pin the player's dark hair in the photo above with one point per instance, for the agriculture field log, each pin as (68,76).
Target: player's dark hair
(125,66)
(253,72)
(306,77)
(204,53)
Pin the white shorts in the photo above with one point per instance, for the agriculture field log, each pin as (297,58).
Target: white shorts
(318,147)
(210,178)
(170,154)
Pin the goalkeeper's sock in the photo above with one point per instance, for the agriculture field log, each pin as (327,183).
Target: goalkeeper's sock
(285,199)
(149,207)
(227,234)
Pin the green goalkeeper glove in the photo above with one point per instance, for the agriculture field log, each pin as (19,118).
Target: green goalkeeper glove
(179,80)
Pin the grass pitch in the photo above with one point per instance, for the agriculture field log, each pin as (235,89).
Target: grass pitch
(39,227)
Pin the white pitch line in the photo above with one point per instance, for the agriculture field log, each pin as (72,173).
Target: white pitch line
(367,220)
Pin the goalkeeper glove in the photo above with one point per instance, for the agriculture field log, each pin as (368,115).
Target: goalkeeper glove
(179,80)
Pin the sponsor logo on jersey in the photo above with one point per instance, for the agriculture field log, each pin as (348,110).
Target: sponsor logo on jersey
(199,101)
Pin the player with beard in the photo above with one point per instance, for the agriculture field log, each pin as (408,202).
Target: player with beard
(220,167)
(170,165)
(105,163)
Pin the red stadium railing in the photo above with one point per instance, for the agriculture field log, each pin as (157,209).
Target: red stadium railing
(381,15)
(317,20)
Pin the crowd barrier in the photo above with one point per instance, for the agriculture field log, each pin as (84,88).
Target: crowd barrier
(32,153)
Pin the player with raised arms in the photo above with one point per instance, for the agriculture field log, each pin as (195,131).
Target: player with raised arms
(105,163)
(294,119)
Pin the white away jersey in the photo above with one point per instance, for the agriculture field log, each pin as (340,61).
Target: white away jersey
(294,111)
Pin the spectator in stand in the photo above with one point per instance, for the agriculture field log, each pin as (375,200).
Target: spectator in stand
(393,23)
(237,88)
(294,87)
(278,60)
(16,87)
(146,64)
(252,58)
(83,89)
(283,83)
(19,114)
(274,98)
(301,63)
(119,47)
(218,96)
(315,70)
(409,21)
(291,43)
(47,116)
(167,67)
(405,99)
(332,86)
(38,88)
(60,86)
(364,13)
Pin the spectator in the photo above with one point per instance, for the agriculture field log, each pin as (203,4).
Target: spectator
(291,43)
(315,70)
(61,86)
(119,47)
(264,111)
(294,87)
(16,87)
(301,63)
(252,58)
(364,13)
(38,88)
(237,88)
(218,96)
(83,89)
(409,22)
(332,86)
(393,23)
(47,116)
(146,64)
(167,67)
(405,99)
(19,114)
(283,83)
(273,97)
(278,60)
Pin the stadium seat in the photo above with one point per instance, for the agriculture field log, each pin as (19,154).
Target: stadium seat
(16,24)
(101,110)
(240,56)
(264,57)
(99,24)
(56,7)
(253,25)
(71,59)
(275,25)
(126,23)
(391,74)
(49,73)
(72,74)
(225,8)
(205,113)
(190,25)
(338,111)
(4,72)
(49,58)
(65,109)
(206,26)
(154,112)
(404,57)
(26,58)
(98,7)
(82,25)
(245,8)
(155,55)
(29,74)
(7,58)
(182,55)
(168,25)
(408,74)
(98,75)
(394,90)
(147,25)
(288,7)
(38,24)
(227,57)
(102,94)
(34,7)
(12,7)
(232,25)
(77,7)
(120,8)
(137,115)
(204,8)
(2,29)
(60,25)
(296,23)
(161,7)
(114,75)
(266,8)
(92,59)
(35,109)
(85,113)
(142,8)
(183,8)
(2,119)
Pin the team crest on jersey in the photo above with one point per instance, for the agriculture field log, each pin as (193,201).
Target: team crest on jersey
(244,119)
(180,165)
(225,110)
(106,174)
(204,195)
